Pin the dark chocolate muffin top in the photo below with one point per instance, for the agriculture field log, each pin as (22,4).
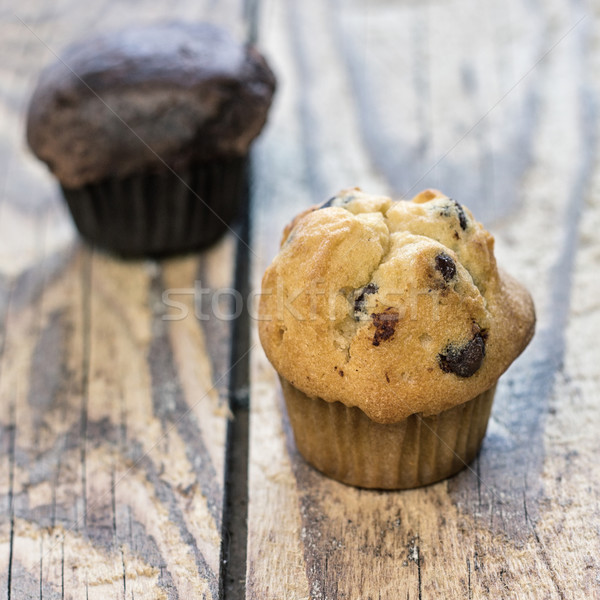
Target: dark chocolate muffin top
(132,100)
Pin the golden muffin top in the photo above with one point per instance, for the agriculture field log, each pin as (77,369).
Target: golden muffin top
(396,307)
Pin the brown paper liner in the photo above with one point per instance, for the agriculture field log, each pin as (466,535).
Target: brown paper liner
(158,214)
(343,443)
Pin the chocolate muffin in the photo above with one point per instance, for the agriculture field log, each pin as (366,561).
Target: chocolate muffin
(148,131)
(389,325)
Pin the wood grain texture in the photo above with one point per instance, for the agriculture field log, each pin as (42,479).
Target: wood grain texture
(113,409)
(496,105)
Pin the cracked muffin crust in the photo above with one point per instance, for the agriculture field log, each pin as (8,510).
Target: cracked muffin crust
(394,307)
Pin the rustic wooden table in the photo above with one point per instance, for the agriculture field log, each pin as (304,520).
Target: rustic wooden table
(117,426)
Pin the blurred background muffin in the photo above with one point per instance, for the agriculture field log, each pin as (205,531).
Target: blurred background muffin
(148,129)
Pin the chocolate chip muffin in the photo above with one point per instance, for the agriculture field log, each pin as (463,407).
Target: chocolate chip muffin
(148,130)
(389,324)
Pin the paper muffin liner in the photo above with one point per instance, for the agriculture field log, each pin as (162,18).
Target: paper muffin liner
(345,444)
(155,214)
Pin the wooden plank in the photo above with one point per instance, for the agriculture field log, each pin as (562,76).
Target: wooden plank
(464,98)
(113,414)
(113,433)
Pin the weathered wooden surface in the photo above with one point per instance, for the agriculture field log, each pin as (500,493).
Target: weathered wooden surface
(113,418)
(497,105)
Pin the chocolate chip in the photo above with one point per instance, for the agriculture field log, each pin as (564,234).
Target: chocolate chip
(463,361)
(460,212)
(445,265)
(337,201)
(341,373)
(385,325)
(462,217)
(329,202)
(360,300)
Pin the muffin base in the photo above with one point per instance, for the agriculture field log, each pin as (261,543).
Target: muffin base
(157,214)
(343,443)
